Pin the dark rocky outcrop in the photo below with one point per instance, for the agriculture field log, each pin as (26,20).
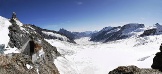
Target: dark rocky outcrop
(67,33)
(157,60)
(17,36)
(15,63)
(2,46)
(148,32)
(103,35)
(14,15)
(133,70)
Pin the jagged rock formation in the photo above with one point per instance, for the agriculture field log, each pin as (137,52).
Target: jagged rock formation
(67,33)
(2,46)
(16,64)
(157,60)
(41,59)
(105,34)
(116,33)
(14,15)
(157,30)
(148,32)
(133,70)
(17,36)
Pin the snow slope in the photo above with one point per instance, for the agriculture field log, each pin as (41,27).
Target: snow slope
(4,38)
(4,31)
(99,58)
(56,35)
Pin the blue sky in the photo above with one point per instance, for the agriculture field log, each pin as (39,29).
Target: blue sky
(83,15)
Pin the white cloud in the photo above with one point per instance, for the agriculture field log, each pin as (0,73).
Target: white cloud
(79,3)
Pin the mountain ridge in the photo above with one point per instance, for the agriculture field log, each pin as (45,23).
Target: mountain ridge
(27,50)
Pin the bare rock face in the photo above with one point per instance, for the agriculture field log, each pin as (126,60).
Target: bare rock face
(13,15)
(16,63)
(157,60)
(148,32)
(133,70)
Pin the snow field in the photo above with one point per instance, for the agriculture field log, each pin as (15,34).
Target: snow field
(99,58)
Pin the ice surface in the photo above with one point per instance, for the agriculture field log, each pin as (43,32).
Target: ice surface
(11,50)
(4,31)
(56,35)
(99,58)
(18,22)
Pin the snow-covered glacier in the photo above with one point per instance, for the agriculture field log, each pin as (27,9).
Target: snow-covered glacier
(88,57)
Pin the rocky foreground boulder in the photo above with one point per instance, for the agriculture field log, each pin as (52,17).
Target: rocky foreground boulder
(16,64)
(134,70)
(157,60)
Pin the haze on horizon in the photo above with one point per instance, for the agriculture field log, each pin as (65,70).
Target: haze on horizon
(83,15)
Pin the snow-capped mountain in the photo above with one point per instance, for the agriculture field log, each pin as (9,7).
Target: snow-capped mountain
(154,30)
(51,34)
(67,33)
(116,33)
(76,35)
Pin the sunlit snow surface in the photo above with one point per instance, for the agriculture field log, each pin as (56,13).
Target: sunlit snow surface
(4,38)
(4,31)
(56,35)
(99,58)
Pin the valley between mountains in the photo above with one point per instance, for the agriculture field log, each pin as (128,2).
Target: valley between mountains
(99,58)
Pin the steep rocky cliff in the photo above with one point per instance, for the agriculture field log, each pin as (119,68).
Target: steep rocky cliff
(40,60)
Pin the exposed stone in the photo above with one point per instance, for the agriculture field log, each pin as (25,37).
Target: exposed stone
(157,60)
(2,46)
(18,38)
(148,32)
(133,70)
(15,64)
(13,15)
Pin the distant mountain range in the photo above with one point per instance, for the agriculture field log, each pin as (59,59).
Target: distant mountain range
(115,33)
(76,35)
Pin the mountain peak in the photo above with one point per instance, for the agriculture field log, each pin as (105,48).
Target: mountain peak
(14,15)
